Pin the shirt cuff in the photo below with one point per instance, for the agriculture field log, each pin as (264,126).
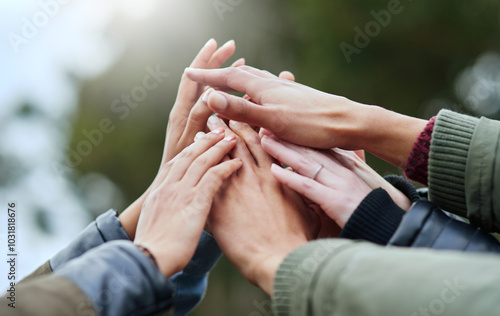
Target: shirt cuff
(375,220)
(119,280)
(106,227)
(416,168)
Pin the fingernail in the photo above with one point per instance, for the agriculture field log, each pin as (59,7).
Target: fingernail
(213,119)
(219,103)
(198,136)
(218,131)
(204,98)
(208,42)
(229,138)
(228,43)
(189,69)
(266,138)
(275,167)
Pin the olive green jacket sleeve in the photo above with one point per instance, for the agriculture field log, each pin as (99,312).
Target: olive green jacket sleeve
(344,278)
(49,295)
(464,168)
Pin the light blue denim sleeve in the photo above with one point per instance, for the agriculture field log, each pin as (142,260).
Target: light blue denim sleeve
(191,283)
(120,280)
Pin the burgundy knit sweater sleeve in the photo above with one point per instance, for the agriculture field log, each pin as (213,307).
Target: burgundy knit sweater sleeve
(418,160)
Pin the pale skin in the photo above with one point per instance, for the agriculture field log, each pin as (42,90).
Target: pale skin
(305,161)
(188,116)
(253,203)
(308,117)
(338,188)
(251,196)
(175,212)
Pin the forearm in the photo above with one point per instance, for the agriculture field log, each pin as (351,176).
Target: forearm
(130,216)
(340,277)
(386,134)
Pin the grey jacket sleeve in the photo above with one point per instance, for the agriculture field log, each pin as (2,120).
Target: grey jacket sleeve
(106,227)
(113,279)
(189,285)
(344,278)
(464,168)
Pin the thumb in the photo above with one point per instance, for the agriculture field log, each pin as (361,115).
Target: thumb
(238,109)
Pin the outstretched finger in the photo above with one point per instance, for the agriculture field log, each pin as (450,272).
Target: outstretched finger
(252,140)
(305,186)
(260,73)
(241,150)
(220,56)
(189,90)
(212,181)
(208,159)
(181,162)
(232,78)
(198,116)
(238,109)
(301,163)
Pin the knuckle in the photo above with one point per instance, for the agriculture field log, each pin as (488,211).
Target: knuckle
(202,160)
(197,115)
(254,140)
(307,184)
(176,119)
(186,154)
(241,107)
(231,71)
(302,164)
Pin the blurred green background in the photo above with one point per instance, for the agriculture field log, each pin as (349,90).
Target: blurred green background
(430,55)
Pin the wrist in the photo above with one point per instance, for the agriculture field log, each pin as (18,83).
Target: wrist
(263,267)
(163,258)
(387,134)
(130,216)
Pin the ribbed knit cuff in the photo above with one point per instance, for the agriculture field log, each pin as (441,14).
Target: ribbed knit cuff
(416,168)
(450,143)
(297,274)
(404,186)
(375,220)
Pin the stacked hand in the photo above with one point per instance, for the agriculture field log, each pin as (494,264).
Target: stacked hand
(308,117)
(256,220)
(174,214)
(257,216)
(341,178)
(188,116)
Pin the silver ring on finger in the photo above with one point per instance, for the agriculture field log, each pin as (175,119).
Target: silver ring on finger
(315,174)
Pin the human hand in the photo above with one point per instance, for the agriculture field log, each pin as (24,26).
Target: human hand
(256,220)
(335,188)
(292,111)
(309,117)
(174,214)
(188,116)
(353,161)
